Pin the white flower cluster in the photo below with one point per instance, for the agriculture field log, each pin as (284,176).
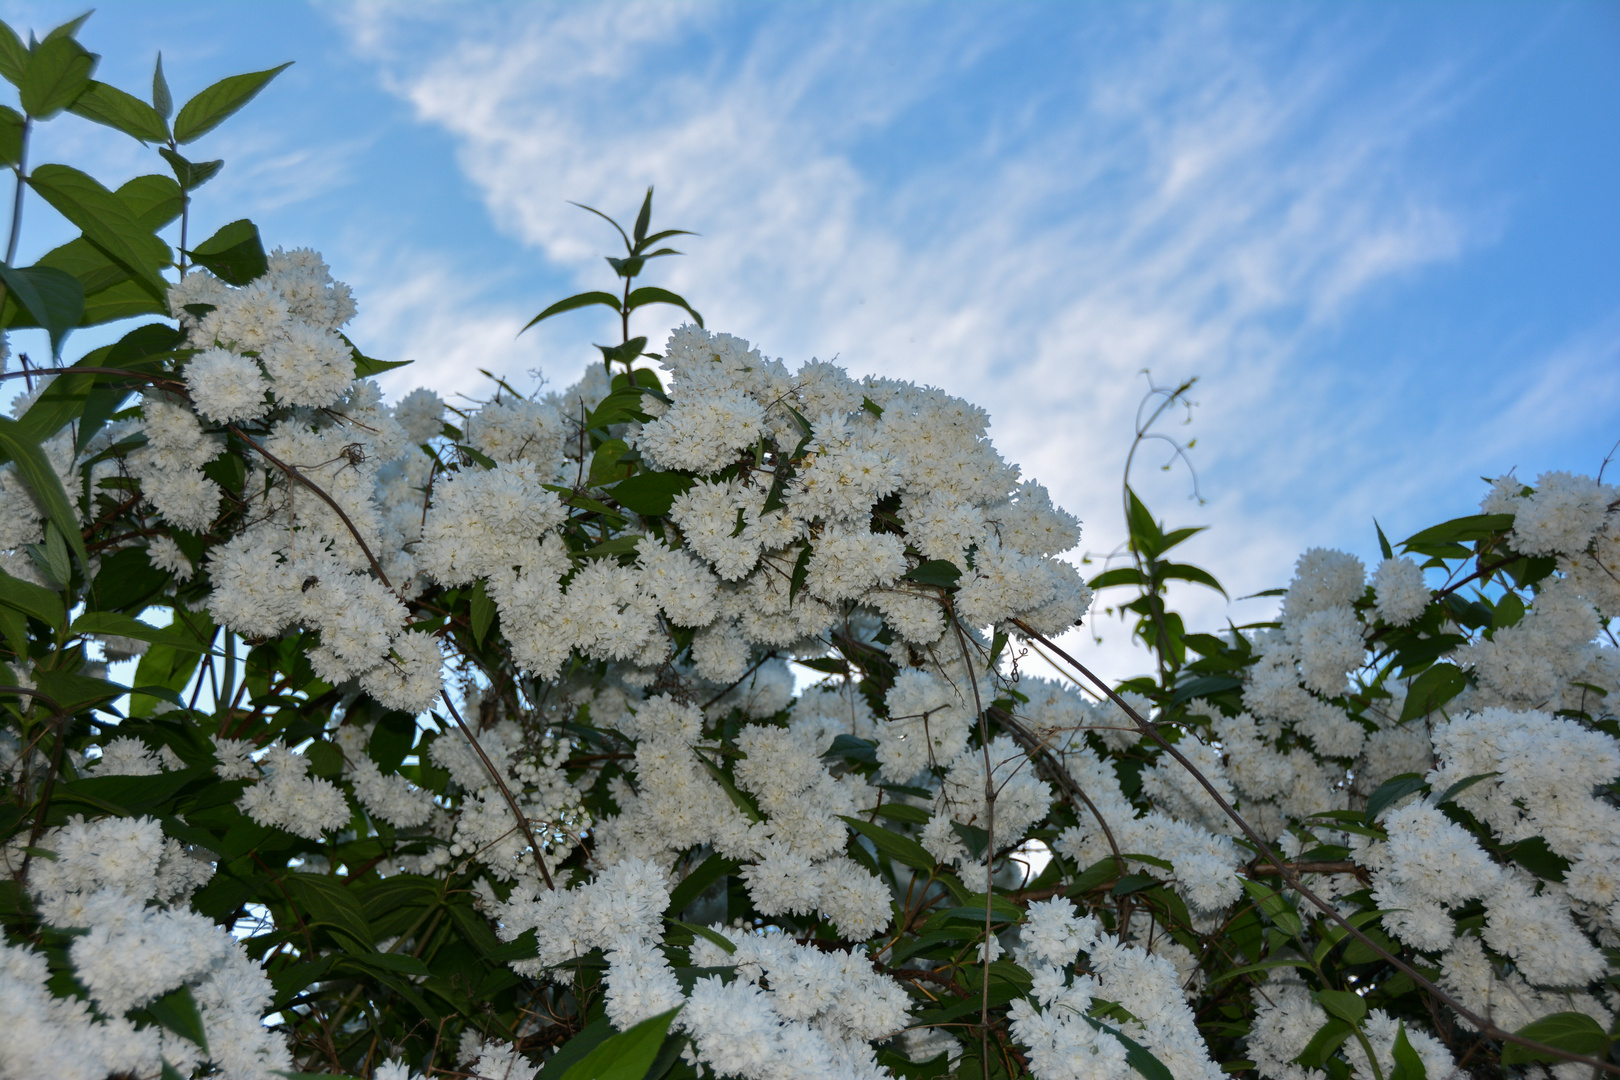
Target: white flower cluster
(1064,1042)
(104,877)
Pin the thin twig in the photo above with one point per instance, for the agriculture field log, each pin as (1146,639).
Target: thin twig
(495,774)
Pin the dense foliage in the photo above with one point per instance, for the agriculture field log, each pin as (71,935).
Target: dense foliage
(676,723)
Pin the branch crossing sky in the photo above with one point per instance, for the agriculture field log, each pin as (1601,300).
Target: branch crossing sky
(1385,236)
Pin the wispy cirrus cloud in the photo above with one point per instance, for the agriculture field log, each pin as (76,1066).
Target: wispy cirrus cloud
(1027,206)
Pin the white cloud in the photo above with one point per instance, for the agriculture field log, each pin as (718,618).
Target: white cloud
(1195,190)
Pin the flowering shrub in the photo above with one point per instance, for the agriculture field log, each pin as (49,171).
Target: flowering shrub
(673,724)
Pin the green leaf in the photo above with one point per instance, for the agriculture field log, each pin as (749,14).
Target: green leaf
(329,904)
(644,218)
(13,55)
(208,109)
(56,73)
(106,221)
(1384,549)
(108,105)
(1461,530)
(1431,690)
(626,1056)
(1272,903)
(1185,572)
(482,612)
(1094,876)
(31,599)
(617,408)
(738,799)
(1571,1031)
(191,175)
(1463,785)
(178,1012)
(1140,1057)
(651,294)
(901,849)
(54,298)
(36,471)
(162,100)
(111,622)
(941,572)
(1392,791)
(650,494)
(801,572)
(75,693)
(1328,1038)
(234,253)
(576,1048)
(895,811)
(707,873)
(12,126)
(1408,1066)
(1120,575)
(154,199)
(1345,1004)
(69,28)
(713,937)
(584,299)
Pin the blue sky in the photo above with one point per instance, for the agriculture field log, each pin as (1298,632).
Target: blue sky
(1383,235)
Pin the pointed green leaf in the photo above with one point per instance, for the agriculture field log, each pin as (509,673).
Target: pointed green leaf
(650,494)
(54,298)
(483,612)
(13,55)
(191,174)
(1345,1004)
(1408,1066)
(162,100)
(106,221)
(69,28)
(651,294)
(1184,572)
(626,1056)
(209,109)
(178,1012)
(111,622)
(1432,689)
(12,126)
(234,253)
(1571,1031)
(32,599)
(901,849)
(584,299)
(154,199)
(1392,791)
(644,218)
(110,106)
(36,471)
(56,73)
(1388,553)
(940,572)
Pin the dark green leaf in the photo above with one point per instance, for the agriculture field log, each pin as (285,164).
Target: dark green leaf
(584,299)
(625,1056)
(31,599)
(650,494)
(853,748)
(12,125)
(644,218)
(1571,1031)
(105,104)
(801,572)
(1185,572)
(1461,530)
(1408,1066)
(56,73)
(1094,876)
(55,299)
(178,1012)
(234,253)
(894,811)
(1140,1057)
(1432,689)
(208,109)
(1383,546)
(111,622)
(106,221)
(1328,1038)
(162,100)
(743,802)
(1392,791)
(707,873)
(1345,1004)
(650,294)
(902,849)
(1272,903)
(191,175)
(482,610)
(1120,575)
(941,572)
(1463,785)
(154,199)
(40,476)
(13,55)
